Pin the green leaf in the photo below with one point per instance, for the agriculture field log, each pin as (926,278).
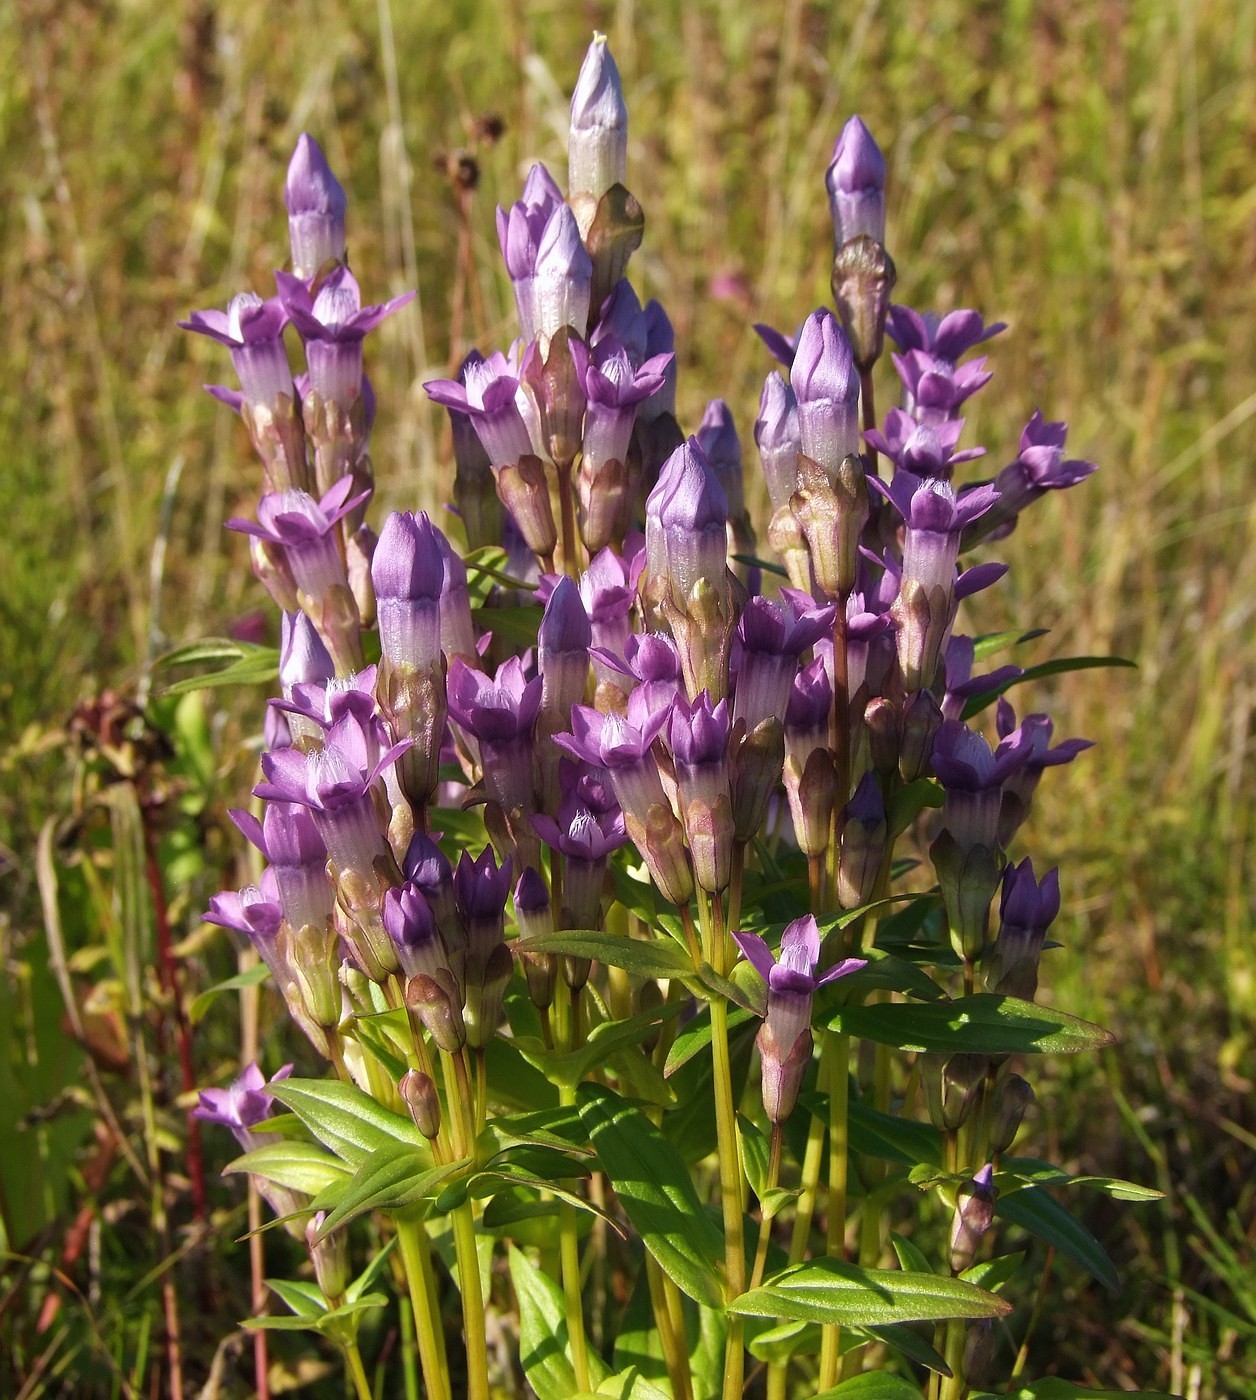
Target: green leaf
(907,803)
(653,957)
(992,1274)
(1029,1171)
(873,1385)
(983,1024)
(543,1332)
(305,1299)
(893,1139)
(886,971)
(786,1339)
(976,703)
(222,662)
(696,1037)
(903,1338)
(516,625)
(997,641)
(910,1257)
(630,1384)
(600,1044)
(1053,1388)
(377,1033)
(487,1182)
(394,1180)
(300,1166)
(1042,1215)
(830,1291)
(252,978)
(347,1120)
(657,1193)
(755,1151)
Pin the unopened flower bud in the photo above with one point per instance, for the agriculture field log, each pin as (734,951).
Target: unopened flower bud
(952,1088)
(434,1001)
(981,1347)
(316,210)
(856,184)
(524,490)
(485,998)
(1011,1102)
(831,509)
(881,724)
(974,1213)
(419,1094)
(863,844)
(557,382)
(597,148)
(330,1257)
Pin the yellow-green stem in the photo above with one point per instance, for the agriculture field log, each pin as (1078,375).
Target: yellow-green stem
(765,1222)
(675,1355)
(468,1261)
(357,1373)
(730,1194)
(416,1257)
(839,1164)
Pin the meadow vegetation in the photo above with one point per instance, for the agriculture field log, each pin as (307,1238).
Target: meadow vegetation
(1083,171)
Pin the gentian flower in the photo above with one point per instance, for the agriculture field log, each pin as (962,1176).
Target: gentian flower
(520,231)
(289,840)
(242,1105)
(1040,467)
(316,210)
(826,385)
(252,329)
(408,575)
(773,635)
(785,1040)
(776,433)
(334,324)
(810,779)
(597,148)
(1026,910)
(856,183)
(697,736)
(482,888)
(945,338)
(1032,739)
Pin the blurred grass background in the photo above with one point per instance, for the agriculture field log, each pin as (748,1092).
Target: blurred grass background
(1083,170)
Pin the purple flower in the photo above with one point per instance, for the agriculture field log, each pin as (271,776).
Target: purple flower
(776,433)
(926,448)
(717,436)
(563,280)
(773,635)
(255,915)
(608,589)
(660,340)
(686,525)
(408,575)
(973,776)
(1027,909)
(482,888)
(1040,467)
(289,840)
(826,385)
(612,742)
(334,324)
(856,184)
(409,922)
(597,148)
(960,681)
(520,231)
(457,628)
(500,714)
(785,1040)
(303,659)
(936,388)
(305,531)
(242,1105)
(494,398)
(616,388)
(780,346)
(316,209)
(1032,741)
(944,337)
(252,329)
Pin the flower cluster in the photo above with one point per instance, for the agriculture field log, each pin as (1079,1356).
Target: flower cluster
(671,705)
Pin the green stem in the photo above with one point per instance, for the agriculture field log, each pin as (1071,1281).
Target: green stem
(472,1302)
(675,1355)
(569,1248)
(730,1195)
(416,1256)
(954,1387)
(765,1222)
(353,1361)
(839,1165)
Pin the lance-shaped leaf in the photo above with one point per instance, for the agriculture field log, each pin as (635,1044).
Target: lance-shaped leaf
(1033,1209)
(221,661)
(873,1385)
(1053,1388)
(982,1025)
(253,977)
(543,1333)
(657,1193)
(300,1166)
(394,1181)
(1017,1172)
(976,703)
(830,1291)
(348,1121)
(647,957)
(602,1042)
